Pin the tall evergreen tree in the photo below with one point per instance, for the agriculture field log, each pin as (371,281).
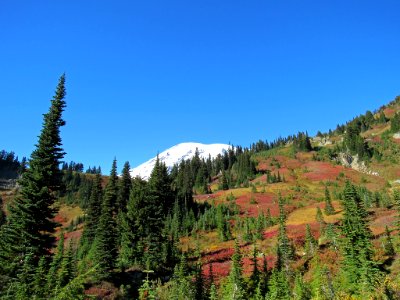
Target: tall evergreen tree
(66,272)
(133,230)
(255,276)
(104,247)
(235,289)
(55,266)
(92,216)
(358,268)
(30,223)
(285,251)
(300,289)
(160,187)
(125,186)
(329,210)
(310,246)
(155,204)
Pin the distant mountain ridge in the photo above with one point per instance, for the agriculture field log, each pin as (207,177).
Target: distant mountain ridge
(176,154)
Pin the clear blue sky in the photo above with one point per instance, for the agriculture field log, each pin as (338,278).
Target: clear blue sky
(143,76)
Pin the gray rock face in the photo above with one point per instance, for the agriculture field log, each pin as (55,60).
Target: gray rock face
(353,162)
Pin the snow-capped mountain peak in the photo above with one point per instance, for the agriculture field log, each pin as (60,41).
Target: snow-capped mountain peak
(176,154)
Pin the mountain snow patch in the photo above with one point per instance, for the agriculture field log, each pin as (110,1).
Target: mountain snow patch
(176,154)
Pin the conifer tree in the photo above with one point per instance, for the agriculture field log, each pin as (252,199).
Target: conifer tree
(224,184)
(160,187)
(278,286)
(322,286)
(199,281)
(255,277)
(125,186)
(134,226)
(39,279)
(329,210)
(92,216)
(388,244)
(55,266)
(300,289)
(310,246)
(359,270)
(235,288)
(30,224)
(23,289)
(263,283)
(157,201)
(395,123)
(104,250)
(285,251)
(320,219)
(332,236)
(66,272)
(182,287)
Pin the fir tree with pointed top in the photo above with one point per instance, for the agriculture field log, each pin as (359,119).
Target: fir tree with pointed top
(319,217)
(255,275)
(278,286)
(310,244)
(66,272)
(55,266)
(92,216)
(30,225)
(263,283)
(125,186)
(156,202)
(235,288)
(39,279)
(358,268)
(285,251)
(300,289)
(329,210)
(104,250)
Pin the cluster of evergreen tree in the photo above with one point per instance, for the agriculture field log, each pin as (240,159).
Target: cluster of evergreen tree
(301,142)
(234,167)
(358,275)
(72,167)
(76,188)
(355,143)
(395,123)
(363,122)
(274,178)
(132,223)
(93,170)
(10,166)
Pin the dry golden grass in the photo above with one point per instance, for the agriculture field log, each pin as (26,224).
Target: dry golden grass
(68,213)
(307,215)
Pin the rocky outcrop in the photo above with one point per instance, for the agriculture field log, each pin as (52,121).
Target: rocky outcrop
(353,162)
(321,141)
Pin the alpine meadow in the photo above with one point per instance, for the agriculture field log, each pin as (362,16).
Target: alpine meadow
(297,218)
